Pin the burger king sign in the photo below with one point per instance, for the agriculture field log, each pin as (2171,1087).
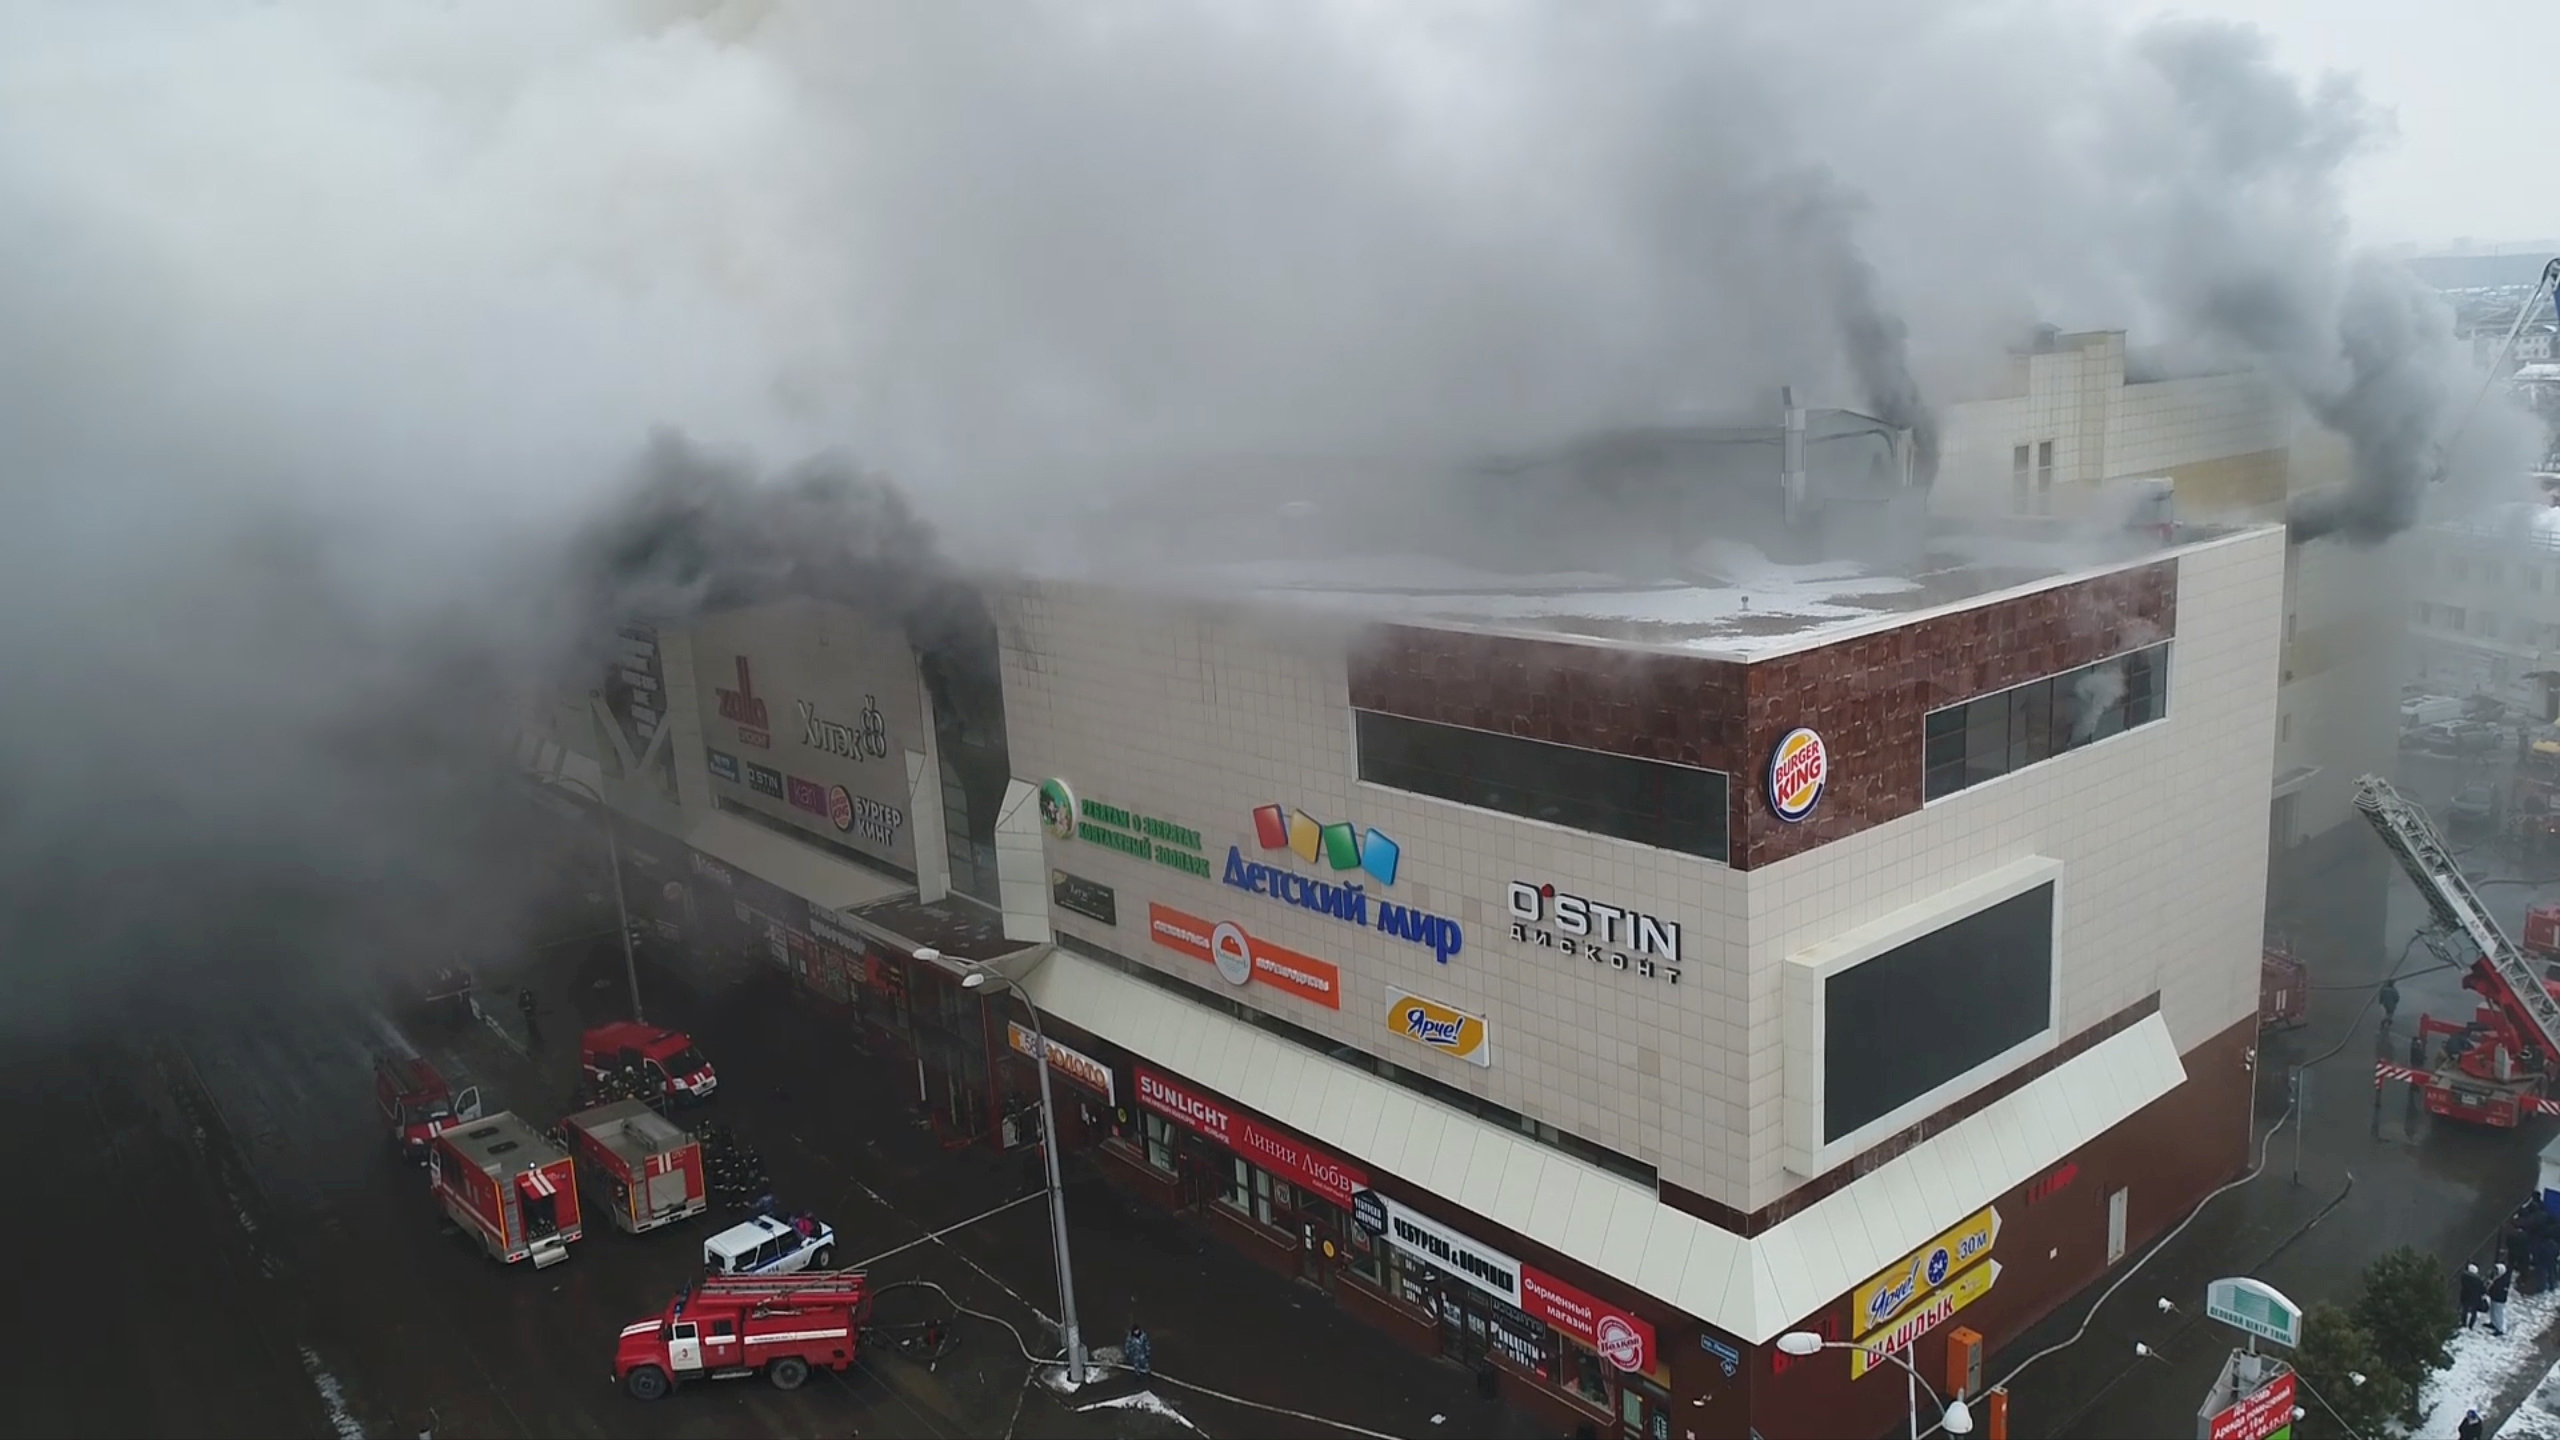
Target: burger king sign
(1798,767)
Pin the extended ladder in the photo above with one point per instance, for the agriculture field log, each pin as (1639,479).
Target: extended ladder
(2412,837)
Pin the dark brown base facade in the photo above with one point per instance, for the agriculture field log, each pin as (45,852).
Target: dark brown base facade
(2067,1229)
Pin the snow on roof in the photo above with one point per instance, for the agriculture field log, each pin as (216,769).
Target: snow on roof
(1739,604)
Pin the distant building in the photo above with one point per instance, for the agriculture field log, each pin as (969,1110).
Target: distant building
(2073,425)
(2485,605)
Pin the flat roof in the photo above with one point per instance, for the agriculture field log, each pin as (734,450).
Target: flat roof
(1736,605)
(955,927)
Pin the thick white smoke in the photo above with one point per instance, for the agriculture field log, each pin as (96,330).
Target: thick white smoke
(323,328)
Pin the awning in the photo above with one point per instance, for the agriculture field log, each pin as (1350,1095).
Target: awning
(804,870)
(1753,1288)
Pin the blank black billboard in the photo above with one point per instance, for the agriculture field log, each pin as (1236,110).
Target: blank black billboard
(1928,1010)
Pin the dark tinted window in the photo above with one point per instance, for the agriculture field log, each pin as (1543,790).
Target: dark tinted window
(1991,735)
(1670,807)
(1926,1011)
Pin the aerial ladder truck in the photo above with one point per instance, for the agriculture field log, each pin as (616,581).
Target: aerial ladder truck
(2498,1068)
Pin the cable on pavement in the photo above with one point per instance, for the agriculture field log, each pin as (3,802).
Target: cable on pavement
(928,1239)
(2264,1143)
(1048,1360)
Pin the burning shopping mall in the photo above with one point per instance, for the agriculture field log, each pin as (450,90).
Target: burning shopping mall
(1589,977)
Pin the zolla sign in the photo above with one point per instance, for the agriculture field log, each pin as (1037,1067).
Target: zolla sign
(2254,1307)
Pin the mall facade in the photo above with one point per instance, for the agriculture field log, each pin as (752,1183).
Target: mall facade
(1586,984)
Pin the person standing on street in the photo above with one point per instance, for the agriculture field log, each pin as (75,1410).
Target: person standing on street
(2498,1289)
(2546,1261)
(2389,995)
(1139,1352)
(2470,1427)
(2475,1295)
(532,1021)
(2417,1062)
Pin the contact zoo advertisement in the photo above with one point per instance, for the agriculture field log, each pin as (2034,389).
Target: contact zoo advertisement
(808,713)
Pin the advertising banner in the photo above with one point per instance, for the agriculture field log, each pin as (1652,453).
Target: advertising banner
(1283,1155)
(2266,1414)
(1074,1064)
(808,714)
(1243,959)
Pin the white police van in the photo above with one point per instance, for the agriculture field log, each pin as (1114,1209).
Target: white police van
(763,1245)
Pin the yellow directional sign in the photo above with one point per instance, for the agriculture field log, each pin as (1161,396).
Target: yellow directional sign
(1934,1310)
(1877,1303)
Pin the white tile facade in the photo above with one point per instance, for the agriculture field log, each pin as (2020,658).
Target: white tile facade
(1196,715)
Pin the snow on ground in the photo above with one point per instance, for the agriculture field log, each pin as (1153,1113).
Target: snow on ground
(1145,1401)
(2484,1366)
(2539,1417)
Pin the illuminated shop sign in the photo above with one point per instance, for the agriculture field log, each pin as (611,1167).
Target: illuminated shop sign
(1612,935)
(1342,848)
(1283,1155)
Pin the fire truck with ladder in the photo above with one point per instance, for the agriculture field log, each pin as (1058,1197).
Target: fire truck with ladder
(2497,1069)
(732,1326)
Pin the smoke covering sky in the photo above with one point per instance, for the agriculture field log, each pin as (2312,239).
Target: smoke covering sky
(324,328)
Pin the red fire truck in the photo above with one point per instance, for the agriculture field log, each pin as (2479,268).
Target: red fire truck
(2498,1068)
(509,1188)
(668,1061)
(415,1104)
(644,1169)
(731,1326)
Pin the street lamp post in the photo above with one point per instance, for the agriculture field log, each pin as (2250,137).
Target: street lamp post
(977,979)
(621,911)
(1952,1414)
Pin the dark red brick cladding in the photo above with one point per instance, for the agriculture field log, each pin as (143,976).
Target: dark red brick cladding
(2053,1244)
(1874,1156)
(1866,695)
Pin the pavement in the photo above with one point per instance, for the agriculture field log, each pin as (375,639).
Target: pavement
(270,1267)
(2343,1186)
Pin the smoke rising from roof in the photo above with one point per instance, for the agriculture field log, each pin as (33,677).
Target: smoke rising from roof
(327,335)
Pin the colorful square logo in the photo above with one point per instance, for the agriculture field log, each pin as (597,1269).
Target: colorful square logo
(1337,844)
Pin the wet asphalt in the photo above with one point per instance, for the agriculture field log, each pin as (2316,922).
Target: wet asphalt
(2366,1182)
(247,1256)
(237,1251)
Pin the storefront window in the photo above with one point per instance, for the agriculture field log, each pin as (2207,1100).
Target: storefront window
(1236,1190)
(1585,1375)
(1367,1257)
(1159,1133)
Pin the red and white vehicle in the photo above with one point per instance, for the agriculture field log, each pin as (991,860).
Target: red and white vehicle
(2502,1067)
(732,1326)
(642,1168)
(668,1059)
(415,1104)
(508,1187)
